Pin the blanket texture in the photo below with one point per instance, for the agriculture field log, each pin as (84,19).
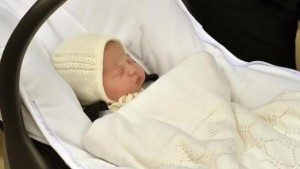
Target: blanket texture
(188,119)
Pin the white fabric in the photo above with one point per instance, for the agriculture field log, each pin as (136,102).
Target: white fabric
(137,25)
(159,33)
(189,118)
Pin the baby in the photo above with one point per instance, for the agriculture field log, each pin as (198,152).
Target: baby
(97,67)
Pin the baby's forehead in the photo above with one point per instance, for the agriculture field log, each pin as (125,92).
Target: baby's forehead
(114,60)
(113,46)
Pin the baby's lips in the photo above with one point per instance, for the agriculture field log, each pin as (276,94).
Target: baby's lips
(138,81)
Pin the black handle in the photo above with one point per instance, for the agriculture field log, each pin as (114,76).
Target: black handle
(21,152)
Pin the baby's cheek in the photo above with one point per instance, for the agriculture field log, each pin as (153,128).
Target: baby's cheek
(130,88)
(121,88)
(112,91)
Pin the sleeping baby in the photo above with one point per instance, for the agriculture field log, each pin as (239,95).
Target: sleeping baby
(203,113)
(97,67)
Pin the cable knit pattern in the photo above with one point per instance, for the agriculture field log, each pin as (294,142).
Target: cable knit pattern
(74,61)
(272,132)
(206,129)
(79,60)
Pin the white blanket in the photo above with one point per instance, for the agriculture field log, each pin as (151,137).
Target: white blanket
(160,32)
(187,119)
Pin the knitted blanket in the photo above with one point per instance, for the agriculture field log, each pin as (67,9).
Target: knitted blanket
(190,118)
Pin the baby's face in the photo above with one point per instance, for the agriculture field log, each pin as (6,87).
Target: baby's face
(121,75)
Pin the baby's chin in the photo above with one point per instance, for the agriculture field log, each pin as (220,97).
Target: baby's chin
(139,89)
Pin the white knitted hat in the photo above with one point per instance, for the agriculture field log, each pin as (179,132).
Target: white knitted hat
(79,60)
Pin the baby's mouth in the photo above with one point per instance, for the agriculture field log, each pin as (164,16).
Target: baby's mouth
(138,80)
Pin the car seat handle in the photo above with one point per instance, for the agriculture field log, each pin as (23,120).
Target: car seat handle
(20,152)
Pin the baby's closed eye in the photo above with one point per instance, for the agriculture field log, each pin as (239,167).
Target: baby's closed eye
(119,72)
